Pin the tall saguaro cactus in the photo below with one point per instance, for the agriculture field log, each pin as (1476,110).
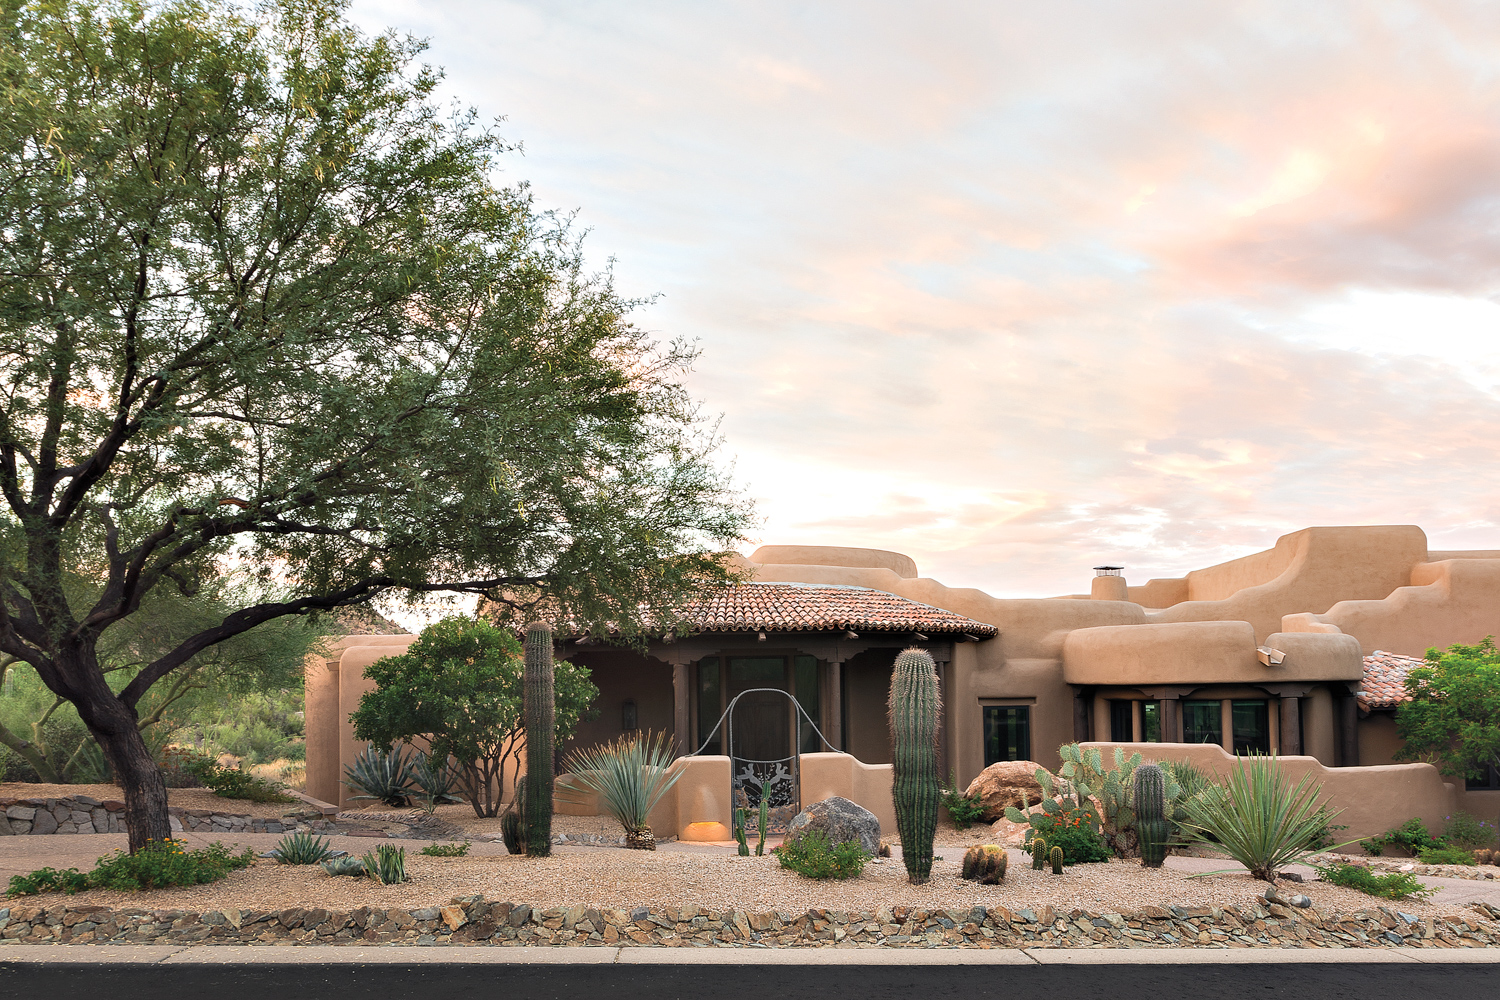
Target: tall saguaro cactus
(1152,827)
(914,706)
(541,714)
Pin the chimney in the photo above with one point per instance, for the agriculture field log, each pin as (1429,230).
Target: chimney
(1109,585)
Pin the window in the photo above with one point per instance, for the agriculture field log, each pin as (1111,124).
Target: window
(1490,779)
(805,676)
(709,705)
(1007,733)
(1252,727)
(1122,721)
(1202,722)
(1151,722)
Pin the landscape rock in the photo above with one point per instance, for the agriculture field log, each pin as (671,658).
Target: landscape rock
(1006,783)
(840,820)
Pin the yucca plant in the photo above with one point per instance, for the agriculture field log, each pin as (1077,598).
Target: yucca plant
(630,776)
(301,849)
(386,865)
(381,774)
(1256,817)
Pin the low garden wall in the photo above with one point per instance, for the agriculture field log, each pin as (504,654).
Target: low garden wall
(473,920)
(82,814)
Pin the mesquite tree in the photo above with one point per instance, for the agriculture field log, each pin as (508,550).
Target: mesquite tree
(262,305)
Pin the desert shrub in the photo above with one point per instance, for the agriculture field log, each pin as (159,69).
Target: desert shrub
(1324,836)
(386,864)
(180,766)
(1072,830)
(160,864)
(1445,856)
(447,850)
(1464,830)
(302,849)
(1257,818)
(434,781)
(811,856)
(630,776)
(963,810)
(1411,836)
(232,783)
(1392,885)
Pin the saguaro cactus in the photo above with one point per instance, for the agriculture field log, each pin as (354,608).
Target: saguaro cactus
(540,713)
(1057,860)
(1038,853)
(1151,824)
(914,707)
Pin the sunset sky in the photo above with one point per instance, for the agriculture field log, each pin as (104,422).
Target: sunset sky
(1017,289)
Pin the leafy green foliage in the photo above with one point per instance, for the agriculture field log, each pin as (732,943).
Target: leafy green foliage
(159,865)
(1392,885)
(301,849)
(1411,837)
(1453,717)
(630,776)
(265,305)
(1446,856)
(461,685)
(1072,830)
(233,783)
(386,864)
(1086,776)
(1257,817)
(963,810)
(447,850)
(1465,830)
(811,856)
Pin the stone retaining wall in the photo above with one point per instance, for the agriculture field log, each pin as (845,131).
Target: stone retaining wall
(473,920)
(82,814)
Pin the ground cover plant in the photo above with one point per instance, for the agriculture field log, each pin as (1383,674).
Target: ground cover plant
(963,810)
(447,850)
(1446,856)
(1391,885)
(1257,817)
(630,775)
(1073,831)
(812,856)
(1465,830)
(159,865)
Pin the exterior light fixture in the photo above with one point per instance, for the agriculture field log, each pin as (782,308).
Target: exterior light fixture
(628,719)
(760,637)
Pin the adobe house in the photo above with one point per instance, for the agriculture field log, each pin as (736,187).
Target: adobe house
(1267,652)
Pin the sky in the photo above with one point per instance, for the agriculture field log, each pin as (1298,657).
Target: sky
(1019,289)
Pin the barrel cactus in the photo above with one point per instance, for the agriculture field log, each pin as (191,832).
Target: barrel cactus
(1153,829)
(540,713)
(1038,853)
(914,709)
(985,864)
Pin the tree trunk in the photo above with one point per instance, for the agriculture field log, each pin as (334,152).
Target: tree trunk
(114,726)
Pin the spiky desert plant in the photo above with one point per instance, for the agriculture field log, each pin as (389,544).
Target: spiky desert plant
(343,866)
(914,708)
(434,779)
(381,774)
(760,845)
(1057,860)
(630,775)
(301,849)
(1038,853)
(541,719)
(739,831)
(386,865)
(1257,817)
(1153,829)
(985,864)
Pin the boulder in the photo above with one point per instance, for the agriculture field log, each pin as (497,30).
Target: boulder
(840,820)
(1006,783)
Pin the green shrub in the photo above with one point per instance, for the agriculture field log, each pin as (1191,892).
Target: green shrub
(1411,836)
(446,850)
(1392,885)
(158,865)
(811,856)
(1323,837)
(1445,856)
(232,783)
(386,865)
(1257,818)
(301,849)
(1464,830)
(963,810)
(1073,831)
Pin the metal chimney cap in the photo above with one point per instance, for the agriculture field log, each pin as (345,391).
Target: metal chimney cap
(1107,570)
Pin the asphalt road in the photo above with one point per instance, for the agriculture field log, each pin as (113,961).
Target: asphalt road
(665,982)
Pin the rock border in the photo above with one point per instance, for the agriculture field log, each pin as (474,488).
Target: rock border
(475,921)
(84,814)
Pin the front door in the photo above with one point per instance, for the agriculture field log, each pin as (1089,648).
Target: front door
(763,760)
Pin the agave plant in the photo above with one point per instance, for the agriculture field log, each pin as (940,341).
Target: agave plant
(435,779)
(381,774)
(630,776)
(1257,817)
(386,865)
(302,849)
(343,866)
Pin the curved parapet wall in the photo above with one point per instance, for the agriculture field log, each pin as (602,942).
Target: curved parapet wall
(836,555)
(1191,653)
(1371,800)
(1454,600)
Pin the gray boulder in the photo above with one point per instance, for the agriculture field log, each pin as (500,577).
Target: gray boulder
(840,820)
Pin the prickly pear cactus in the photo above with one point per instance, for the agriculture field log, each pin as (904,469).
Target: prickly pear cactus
(540,714)
(914,708)
(1153,829)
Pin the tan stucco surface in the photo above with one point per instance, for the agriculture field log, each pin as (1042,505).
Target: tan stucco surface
(1186,653)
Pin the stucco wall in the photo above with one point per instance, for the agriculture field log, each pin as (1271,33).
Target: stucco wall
(1185,653)
(1454,600)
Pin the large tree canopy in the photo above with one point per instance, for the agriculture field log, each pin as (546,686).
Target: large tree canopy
(262,305)
(1453,717)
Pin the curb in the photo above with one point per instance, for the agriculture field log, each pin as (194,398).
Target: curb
(175,955)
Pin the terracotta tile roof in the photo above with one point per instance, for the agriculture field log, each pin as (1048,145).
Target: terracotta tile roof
(1384,685)
(807,607)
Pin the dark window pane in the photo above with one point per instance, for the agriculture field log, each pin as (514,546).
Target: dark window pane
(757,672)
(1490,779)
(805,675)
(1202,722)
(1151,721)
(1122,721)
(1252,727)
(708,704)
(1007,733)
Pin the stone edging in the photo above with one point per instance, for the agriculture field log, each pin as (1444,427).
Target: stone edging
(473,920)
(83,814)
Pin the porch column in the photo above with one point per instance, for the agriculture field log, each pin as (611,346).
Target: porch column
(1171,719)
(833,716)
(1082,730)
(1226,725)
(1291,726)
(1348,730)
(682,691)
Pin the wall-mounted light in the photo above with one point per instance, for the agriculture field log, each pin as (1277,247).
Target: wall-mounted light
(628,720)
(760,637)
